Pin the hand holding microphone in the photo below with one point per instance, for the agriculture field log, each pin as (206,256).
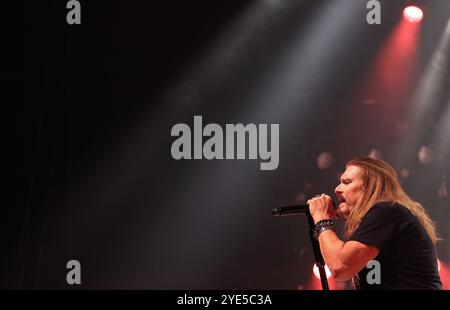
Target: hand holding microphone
(322,207)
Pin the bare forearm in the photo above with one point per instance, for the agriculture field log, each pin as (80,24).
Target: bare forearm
(331,247)
(345,259)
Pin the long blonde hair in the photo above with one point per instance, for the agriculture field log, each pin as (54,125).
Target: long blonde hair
(380,183)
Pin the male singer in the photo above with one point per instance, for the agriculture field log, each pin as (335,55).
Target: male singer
(382,224)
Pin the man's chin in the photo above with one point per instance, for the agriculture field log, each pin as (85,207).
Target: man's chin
(343,210)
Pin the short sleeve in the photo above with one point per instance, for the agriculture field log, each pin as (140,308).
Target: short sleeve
(378,226)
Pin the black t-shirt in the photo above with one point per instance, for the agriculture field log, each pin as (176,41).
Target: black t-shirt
(407,255)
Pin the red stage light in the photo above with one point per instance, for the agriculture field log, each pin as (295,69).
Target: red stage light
(317,274)
(413,14)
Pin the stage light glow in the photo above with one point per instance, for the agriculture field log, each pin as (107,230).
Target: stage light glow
(324,160)
(425,155)
(413,14)
(405,173)
(317,274)
(375,154)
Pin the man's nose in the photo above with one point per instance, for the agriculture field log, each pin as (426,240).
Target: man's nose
(338,190)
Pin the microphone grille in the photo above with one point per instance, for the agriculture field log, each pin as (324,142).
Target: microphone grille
(276,211)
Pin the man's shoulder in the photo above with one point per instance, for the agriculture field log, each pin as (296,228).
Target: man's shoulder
(388,206)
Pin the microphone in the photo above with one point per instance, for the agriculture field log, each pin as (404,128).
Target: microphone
(292,210)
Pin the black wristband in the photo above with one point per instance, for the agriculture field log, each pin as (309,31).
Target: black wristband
(321,226)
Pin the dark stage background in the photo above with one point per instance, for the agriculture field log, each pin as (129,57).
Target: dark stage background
(96,103)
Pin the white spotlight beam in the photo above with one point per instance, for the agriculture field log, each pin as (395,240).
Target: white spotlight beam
(429,96)
(314,50)
(441,140)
